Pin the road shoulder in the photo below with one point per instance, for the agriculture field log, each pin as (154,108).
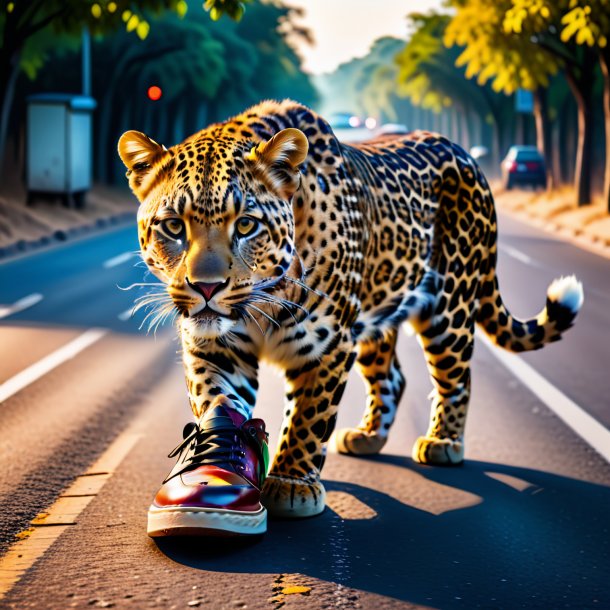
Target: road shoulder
(587,227)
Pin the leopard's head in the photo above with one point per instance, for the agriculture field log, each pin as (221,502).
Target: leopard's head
(215,220)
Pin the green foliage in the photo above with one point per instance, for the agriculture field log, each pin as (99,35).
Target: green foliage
(424,62)
(35,28)
(428,74)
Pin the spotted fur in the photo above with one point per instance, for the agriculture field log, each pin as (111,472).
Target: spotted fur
(350,242)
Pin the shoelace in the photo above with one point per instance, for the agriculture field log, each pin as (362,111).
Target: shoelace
(214,446)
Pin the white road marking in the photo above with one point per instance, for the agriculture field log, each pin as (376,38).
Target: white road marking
(48,363)
(589,429)
(125,315)
(118,260)
(524,258)
(520,256)
(20,305)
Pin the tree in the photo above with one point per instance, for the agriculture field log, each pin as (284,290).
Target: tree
(207,71)
(542,21)
(428,75)
(21,21)
(508,61)
(588,23)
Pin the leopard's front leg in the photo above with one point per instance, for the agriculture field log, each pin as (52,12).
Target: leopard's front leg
(293,487)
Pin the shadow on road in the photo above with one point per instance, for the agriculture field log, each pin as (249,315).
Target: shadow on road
(534,539)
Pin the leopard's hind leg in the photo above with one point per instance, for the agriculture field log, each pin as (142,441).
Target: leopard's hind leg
(380,370)
(448,344)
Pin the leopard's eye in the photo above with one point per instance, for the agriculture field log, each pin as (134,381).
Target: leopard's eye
(246,226)
(173,227)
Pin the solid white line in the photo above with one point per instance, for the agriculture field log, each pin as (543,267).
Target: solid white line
(48,363)
(520,256)
(125,315)
(588,428)
(20,305)
(118,260)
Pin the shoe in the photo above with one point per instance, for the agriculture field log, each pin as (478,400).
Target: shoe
(215,487)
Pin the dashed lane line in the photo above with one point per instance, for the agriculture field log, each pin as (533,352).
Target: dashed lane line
(48,363)
(118,260)
(520,256)
(20,305)
(527,260)
(589,429)
(49,525)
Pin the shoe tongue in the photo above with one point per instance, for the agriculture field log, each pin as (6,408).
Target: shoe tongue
(221,417)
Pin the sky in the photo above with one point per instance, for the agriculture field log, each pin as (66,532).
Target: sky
(344,29)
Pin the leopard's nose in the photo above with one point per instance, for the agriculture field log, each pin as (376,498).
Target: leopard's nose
(208,289)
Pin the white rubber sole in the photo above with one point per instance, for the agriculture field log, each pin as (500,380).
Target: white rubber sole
(189,521)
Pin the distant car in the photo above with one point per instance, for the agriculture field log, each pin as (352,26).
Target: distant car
(523,166)
(479,152)
(350,127)
(394,129)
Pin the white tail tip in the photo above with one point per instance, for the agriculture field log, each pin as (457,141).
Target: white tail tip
(566,291)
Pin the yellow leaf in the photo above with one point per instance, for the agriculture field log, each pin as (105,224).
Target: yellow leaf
(126,15)
(142,30)
(96,11)
(111,7)
(182,8)
(132,24)
(10,7)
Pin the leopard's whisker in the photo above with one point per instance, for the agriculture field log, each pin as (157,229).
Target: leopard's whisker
(283,301)
(272,301)
(306,287)
(139,285)
(263,314)
(245,312)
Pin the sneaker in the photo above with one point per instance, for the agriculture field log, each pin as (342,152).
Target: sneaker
(215,487)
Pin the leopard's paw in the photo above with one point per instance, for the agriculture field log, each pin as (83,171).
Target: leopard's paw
(438,451)
(354,441)
(294,498)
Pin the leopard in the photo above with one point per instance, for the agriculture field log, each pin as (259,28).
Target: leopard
(276,242)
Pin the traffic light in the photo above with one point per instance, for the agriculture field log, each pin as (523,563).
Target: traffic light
(154,93)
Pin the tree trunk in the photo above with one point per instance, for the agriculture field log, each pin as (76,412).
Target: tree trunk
(582,89)
(543,134)
(9,70)
(604,60)
(464,118)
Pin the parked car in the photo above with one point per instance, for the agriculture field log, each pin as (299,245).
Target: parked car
(523,166)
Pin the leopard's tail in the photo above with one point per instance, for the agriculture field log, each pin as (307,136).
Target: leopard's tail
(564,298)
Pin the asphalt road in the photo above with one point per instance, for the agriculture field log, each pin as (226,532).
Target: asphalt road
(523,524)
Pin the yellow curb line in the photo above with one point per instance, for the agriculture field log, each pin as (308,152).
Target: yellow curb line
(49,525)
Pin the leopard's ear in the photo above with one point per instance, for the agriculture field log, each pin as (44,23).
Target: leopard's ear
(139,152)
(277,161)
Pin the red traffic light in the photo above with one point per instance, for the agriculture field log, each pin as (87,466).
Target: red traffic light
(154,93)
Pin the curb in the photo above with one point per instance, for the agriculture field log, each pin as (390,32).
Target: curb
(24,246)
